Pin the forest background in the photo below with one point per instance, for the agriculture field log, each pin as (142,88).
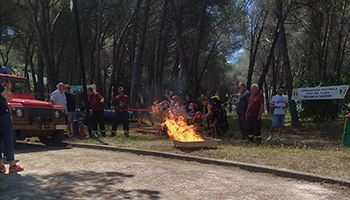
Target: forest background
(184,46)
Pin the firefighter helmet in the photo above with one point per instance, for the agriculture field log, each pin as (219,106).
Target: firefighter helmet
(193,105)
(198,115)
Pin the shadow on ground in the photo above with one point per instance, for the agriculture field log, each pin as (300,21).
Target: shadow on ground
(21,148)
(71,185)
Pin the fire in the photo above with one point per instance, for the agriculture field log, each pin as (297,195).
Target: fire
(179,130)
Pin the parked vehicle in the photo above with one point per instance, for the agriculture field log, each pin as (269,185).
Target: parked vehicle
(32,117)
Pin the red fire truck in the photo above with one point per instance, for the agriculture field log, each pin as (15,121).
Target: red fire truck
(32,117)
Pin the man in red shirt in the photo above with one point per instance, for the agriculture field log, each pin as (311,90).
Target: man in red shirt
(121,104)
(96,102)
(253,114)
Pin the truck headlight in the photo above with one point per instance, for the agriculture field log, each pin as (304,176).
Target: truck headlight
(19,113)
(57,114)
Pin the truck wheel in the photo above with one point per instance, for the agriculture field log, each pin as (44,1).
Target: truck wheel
(54,140)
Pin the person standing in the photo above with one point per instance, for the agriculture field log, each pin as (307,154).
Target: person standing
(70,108)
(96,102)
(58,97)
(280,103)
(121,104)
(253,113)
(6,130)
(241,108)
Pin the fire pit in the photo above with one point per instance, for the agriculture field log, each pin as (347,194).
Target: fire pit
(207,142)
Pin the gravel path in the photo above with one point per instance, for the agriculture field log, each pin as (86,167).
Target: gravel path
(64,173)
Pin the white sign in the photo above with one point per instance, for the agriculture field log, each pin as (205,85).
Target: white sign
(78,89)
(319,93)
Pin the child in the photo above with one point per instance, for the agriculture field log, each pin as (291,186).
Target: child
(190,115)
(197,122)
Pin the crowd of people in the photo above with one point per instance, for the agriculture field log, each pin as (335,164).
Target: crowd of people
(63,97)
(249,107)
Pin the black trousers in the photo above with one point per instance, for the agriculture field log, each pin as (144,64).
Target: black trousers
(98,118)
(121,117)
(254,129)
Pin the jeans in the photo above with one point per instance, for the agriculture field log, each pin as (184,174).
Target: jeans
(6,136)
(278,121)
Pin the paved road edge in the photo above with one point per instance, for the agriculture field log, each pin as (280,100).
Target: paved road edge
(247,166)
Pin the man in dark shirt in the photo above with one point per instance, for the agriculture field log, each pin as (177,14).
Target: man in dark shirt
(71,109)
(96,102)
(254,111)
(121,104)
(241,108)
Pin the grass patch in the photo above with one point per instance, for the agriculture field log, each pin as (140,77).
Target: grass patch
(312,153)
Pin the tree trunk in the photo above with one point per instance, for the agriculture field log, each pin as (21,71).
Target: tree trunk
(179,43)
(175,74)
(137,66)
(194,87)
(40,94)
(338,62)
(270,57)
(45,40)
(33,72)
(267,99)
(158,64)
(274,77)
(286,64)
(97,57)
(254,50)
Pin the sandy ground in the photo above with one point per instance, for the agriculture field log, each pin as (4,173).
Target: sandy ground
(64,173)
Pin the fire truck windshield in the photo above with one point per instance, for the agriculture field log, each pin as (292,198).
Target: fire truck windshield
(18,85)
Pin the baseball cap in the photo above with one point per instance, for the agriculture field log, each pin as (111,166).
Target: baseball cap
(120,89)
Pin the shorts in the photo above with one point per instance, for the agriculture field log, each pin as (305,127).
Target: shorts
(71,116)
(278,121)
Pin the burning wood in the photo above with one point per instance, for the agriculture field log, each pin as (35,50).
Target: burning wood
(178,129)
(175,124)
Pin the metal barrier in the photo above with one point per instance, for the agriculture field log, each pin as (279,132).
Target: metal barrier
(139,121)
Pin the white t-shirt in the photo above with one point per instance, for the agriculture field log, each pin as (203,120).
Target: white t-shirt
(59,98)
(281,101)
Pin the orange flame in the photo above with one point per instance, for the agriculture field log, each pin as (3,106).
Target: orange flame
(179,130)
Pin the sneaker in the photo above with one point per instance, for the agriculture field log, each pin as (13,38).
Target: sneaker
(280,139)
(2,169)
(269,138)
(16,168)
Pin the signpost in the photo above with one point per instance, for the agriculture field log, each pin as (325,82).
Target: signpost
(79,89)
(320,93)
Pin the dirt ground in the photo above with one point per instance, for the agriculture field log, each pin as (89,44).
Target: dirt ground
(65,173)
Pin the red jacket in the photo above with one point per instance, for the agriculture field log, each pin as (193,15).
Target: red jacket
(95,101)
(124,99)
(254,104)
